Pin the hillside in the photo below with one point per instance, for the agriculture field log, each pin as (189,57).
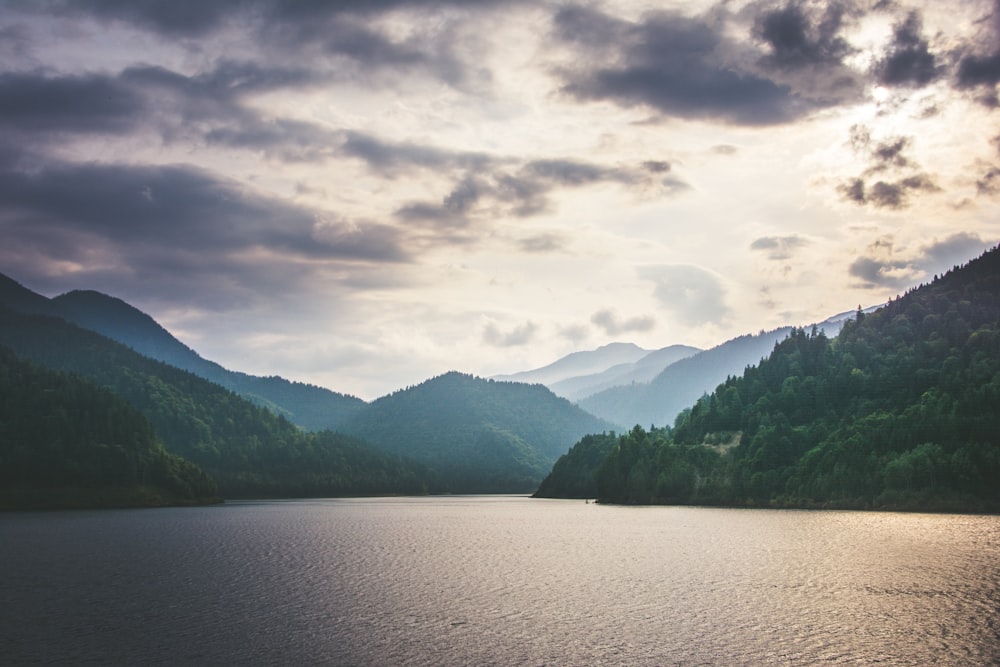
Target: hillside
(311,407)
(66,443)
(248,450)
(899,411)
(482,436)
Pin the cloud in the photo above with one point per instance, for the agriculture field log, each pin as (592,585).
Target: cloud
(908,60)
(880,268)
(179,221)
(952,251)
(342,32)
(395,158)
(779,247)
(609,322)
(798,35)
(508,187)
(899,177)
(882,273)
(887,194)
(677,65)
(42,103)
(541,243)
(519,335)
(979,70)
(693,295)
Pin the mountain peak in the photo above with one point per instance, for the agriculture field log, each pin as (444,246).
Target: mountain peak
(584,362)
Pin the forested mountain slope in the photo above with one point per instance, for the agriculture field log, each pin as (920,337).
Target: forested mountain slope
(482,436)
(247,449)
(66,443)
(311,407)
(901,410)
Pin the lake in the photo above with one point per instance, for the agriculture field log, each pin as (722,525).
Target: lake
(497,580)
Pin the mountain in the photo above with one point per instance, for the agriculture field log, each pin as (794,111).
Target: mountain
(248,450)
(641,371)
(681,383)
(586,362)
(311,407)
(899,411)
(67,443)
(481,436)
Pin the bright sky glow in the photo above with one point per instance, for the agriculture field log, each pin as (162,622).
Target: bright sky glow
(365,194)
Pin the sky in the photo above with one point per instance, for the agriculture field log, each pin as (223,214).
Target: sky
(363,194)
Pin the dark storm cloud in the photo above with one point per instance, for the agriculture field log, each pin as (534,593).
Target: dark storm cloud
(908,61)
(979,62)
(40,102)
(177,218)
(976,70)
(798,35)
(674,64)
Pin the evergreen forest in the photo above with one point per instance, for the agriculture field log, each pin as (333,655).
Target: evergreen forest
(900,411)
(482,436)
(66,443)
(248,450)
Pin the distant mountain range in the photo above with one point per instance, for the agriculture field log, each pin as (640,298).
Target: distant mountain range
(311,407)
(580,364)
(626,385)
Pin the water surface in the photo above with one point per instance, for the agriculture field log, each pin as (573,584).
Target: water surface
(497,580)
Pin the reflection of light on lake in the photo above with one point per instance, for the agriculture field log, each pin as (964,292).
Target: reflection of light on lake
(497,580)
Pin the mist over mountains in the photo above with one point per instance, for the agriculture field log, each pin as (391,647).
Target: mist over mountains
(627,385)
(454,432)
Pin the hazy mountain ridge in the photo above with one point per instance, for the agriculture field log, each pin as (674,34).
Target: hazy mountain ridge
(481,435)
(581,363)
(641,371)
(679,384)
(311,407)
(897,412)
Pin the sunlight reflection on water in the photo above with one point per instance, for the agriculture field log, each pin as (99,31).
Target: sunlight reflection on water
(497,580)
